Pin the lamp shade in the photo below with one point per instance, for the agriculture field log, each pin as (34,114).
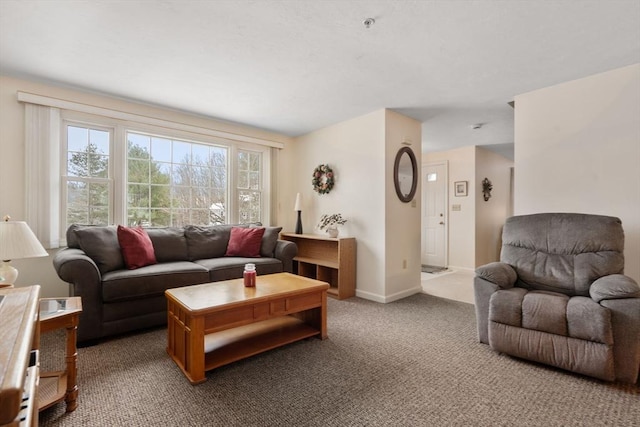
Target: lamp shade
(298,206)
(18,241)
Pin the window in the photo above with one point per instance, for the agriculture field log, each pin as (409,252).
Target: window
(88,192)
(249,194)
(174,182)
(160,179)
(90,164)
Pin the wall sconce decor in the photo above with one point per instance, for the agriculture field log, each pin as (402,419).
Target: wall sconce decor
(486,189)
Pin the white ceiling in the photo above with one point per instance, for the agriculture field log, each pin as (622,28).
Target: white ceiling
(299,65)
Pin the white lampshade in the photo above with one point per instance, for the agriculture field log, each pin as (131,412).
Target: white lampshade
(298,206)
(17,241)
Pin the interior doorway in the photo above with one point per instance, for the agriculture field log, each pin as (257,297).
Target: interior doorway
(434,214)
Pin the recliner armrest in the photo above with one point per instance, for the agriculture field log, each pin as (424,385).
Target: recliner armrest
(498,273)
(614,286)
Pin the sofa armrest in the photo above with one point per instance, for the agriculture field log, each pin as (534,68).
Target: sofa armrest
(76,268)
(74,265)
(498,273)
(285,252)
(614,286)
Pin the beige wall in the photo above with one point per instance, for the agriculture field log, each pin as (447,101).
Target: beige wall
(491,214)
(12,173)
(577,149)
(461,227)
(475,230)
(402,230)
(361,152)
(354,149)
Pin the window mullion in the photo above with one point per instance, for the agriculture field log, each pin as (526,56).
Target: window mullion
(119,177)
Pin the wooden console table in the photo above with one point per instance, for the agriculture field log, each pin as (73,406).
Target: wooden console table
(331,260)
(57,313)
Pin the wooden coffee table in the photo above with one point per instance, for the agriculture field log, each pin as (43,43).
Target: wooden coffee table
(217,323)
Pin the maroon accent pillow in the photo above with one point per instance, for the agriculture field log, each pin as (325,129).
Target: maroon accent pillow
(136,246)
(245,242)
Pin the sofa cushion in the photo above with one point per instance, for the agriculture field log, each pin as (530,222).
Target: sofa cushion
(169,244)
(269,240)
(136,247)
(151,280)
(505,306)
(245,242)
(588,320)
(101,245)
(545,311)
(227,268)
(207,241)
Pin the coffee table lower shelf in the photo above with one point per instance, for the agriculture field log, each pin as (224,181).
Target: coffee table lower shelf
(231,345)
(52,389)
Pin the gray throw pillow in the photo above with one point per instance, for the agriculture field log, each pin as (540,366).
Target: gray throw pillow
(204,242)
(169,243)
(101,245)
(269,240)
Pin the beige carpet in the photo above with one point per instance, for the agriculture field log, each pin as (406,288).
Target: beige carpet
(415,362)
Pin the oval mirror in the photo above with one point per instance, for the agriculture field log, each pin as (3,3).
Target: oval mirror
(405,174)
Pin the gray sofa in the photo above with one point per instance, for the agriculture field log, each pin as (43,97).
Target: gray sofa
(117,300)
(558,296)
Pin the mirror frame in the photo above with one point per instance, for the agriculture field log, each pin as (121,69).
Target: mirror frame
(396,180)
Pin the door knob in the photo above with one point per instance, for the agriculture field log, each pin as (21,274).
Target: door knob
(441,223)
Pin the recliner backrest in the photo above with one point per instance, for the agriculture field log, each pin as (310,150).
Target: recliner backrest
(562,252)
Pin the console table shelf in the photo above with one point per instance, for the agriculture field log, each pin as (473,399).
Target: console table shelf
(331,260)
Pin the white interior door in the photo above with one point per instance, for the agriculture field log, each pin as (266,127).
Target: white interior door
(434,214)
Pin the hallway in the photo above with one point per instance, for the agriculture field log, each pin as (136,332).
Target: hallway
(451,284)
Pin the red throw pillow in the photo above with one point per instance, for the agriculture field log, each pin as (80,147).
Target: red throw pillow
(136,246)
(245,242)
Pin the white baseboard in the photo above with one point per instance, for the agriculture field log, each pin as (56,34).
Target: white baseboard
(390,298)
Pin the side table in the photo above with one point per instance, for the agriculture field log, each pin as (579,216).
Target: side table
(57,313)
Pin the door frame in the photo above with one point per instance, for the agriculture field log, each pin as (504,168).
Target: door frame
(444,163)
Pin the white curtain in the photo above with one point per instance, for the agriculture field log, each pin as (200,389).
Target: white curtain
(42,157)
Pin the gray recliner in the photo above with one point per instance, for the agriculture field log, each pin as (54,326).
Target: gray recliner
(558,296)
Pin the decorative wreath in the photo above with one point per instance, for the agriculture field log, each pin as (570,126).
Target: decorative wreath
(322,179)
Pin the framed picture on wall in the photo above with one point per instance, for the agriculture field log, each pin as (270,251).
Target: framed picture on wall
(460,188)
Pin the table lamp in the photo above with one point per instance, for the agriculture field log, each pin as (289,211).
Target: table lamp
(17,241)
(298,207)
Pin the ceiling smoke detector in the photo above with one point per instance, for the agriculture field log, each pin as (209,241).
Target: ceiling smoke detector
(369,22)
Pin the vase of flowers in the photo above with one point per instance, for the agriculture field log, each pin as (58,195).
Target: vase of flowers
(330,223)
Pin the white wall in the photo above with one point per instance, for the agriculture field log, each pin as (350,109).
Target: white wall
(577,149)
(12,173)
(492,214)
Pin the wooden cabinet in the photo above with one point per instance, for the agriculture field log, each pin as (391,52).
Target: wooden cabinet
(331,260)
(19,356)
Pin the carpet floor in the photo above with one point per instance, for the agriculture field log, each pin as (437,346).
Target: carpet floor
(413,362)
